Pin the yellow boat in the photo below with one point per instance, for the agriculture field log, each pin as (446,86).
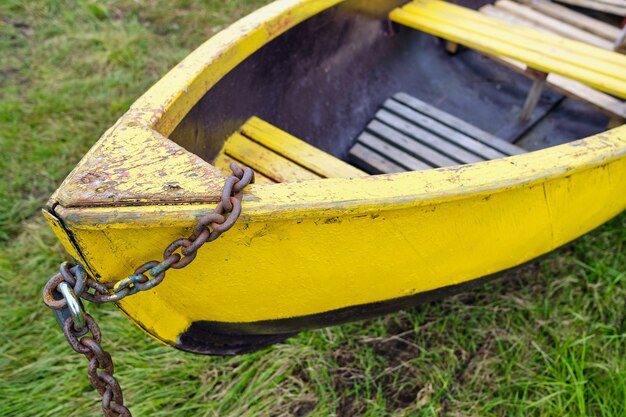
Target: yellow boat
(298,91)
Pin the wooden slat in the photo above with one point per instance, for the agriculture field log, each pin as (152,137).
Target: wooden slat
(409,145)
(440,129)
(262,160)
(591,65)
(372,161)
(597,5)
(298,151)
(397,155)
(495,12)
(490,32)
(443,146)
(608,32)
(555,25)
(458,124)
(223,162)
(477,22)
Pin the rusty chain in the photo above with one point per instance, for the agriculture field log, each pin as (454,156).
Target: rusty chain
(63,291)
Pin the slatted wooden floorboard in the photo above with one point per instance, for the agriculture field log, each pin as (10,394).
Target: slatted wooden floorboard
(408,134)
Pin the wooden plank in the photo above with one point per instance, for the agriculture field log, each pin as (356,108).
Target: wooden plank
(608,32)
(372,162)
(486,32)
(620,43)
(443,146)
(268,163)
(533,98)
(512,132)
(495,12)
(411,146)
(555,25)
(591,65)
(298,151)
(596,5)
(473,22)
(438,128)
(223,162)
(397,155)
(458,124)
(620,3)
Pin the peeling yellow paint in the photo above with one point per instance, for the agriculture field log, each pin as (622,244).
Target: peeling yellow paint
(315,246)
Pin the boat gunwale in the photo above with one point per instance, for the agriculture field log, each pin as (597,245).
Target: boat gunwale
(333,197)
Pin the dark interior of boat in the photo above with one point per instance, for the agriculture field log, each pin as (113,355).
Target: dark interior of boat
(324,80)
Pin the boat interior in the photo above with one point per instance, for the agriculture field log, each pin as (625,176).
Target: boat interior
(353,89)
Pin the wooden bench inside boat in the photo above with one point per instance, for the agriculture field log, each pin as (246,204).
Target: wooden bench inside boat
(276,156)
(542,53)
(546,16)
(408,134)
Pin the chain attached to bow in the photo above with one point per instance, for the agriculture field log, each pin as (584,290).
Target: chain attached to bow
(64,291)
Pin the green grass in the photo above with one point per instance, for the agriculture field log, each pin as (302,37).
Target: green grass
(546,340)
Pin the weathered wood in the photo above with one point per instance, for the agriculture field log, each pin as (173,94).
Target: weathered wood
(512,132)
(617,10)
(415,135)
(268,163)
(564,14)
(276,156)
(428,138)
(298,151)
(372,161)
(554,25)
(605,103)
(533,97)
(409,145)
(398,156)
(223,162)
(134,165)
(594,66)
(498,13)
(451,135)
(458,124)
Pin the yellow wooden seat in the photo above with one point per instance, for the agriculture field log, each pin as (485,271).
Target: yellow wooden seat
(277,156)
(547,53)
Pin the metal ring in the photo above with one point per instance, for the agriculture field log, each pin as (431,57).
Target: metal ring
(73,304)
(81,279)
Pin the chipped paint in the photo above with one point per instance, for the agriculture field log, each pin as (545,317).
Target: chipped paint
(136,191)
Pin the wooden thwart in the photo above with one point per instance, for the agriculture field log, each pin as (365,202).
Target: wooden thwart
(601,69)
(611,106)
(408,134)
(277,156)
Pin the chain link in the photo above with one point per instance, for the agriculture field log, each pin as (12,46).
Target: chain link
(62,293)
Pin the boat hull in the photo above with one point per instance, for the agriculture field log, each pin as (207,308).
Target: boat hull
(319,252)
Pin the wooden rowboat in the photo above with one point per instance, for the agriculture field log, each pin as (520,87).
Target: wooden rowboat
(321,251)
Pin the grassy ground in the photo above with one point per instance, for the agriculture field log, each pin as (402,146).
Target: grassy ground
(548,340)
